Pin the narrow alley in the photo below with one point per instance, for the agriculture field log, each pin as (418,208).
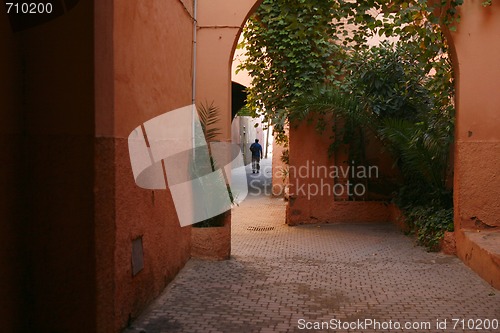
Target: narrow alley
(289,279)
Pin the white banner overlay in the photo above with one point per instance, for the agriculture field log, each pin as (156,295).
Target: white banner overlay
(171,150)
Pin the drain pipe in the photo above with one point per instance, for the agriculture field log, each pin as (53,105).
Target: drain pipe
(195,26)
(193,87)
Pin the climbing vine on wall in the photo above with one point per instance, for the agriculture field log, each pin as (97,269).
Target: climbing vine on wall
(402,90)
(294,44)
(289,50)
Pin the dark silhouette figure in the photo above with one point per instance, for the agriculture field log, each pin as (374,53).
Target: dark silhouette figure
(256,150)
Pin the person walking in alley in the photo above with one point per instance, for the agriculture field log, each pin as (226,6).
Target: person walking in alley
(256,150)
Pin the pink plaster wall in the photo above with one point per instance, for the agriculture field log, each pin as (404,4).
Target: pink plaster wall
(477,150)
(213,82)
(477,147)
(279,179)
(148,46)
(311,197)
(306,146)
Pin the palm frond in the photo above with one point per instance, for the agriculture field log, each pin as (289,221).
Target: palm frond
(420,153)
(209,116)
(330,99)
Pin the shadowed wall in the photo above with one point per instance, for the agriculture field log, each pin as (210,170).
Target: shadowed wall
(47,142)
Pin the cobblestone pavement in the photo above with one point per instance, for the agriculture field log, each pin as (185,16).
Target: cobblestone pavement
(289,279)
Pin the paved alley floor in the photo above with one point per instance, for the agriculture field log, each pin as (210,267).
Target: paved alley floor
(321,278)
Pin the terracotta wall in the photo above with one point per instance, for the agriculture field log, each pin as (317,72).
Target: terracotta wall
(148,46)
(279,170)
(477,168)
(477,148)
(244,133)
(316,197)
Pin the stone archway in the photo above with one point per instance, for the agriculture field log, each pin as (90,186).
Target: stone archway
(219,27)
(477,148)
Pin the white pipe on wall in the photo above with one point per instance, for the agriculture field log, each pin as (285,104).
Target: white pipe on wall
(195,26)
(193,84)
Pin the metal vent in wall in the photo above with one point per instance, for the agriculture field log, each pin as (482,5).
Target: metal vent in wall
(260,228)
(137,256)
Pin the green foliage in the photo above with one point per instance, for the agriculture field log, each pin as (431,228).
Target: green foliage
(348,116)
(327,99)
(421,153)
(401,92)
(203,163)
(429,224)
(389,94)
(389,80)
(293,45)
(285,156)
(288,51)
(413,21)
(209,116)
(245,112)
(487,3)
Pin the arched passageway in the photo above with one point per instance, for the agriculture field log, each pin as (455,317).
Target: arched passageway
(218,27)
(473,234)
(76,86)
